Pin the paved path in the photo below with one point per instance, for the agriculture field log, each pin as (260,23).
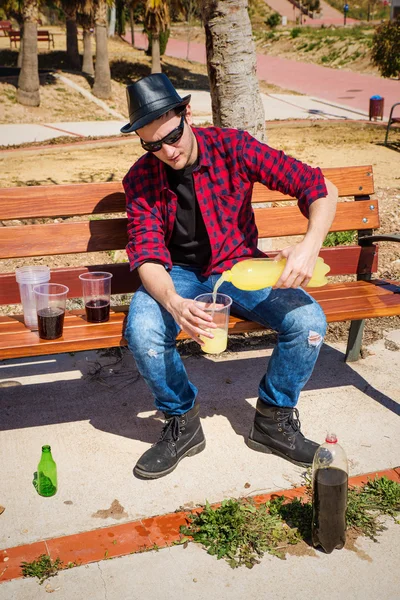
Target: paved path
(329,15)
(335,86)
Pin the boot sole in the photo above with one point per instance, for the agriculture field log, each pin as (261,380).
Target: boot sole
(267,450)
(151,475)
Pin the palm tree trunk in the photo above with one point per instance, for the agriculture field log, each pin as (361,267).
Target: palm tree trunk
(102,75)
(132,23)
(87,66)
(28,81)
(155,53)
(21,49)
(231,65)
(72,39)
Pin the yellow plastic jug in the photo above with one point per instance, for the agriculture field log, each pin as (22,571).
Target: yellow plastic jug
(258,273)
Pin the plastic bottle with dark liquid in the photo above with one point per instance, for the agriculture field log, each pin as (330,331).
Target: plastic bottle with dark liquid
(330,484)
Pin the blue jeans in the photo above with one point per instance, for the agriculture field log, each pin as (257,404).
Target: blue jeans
(151,335)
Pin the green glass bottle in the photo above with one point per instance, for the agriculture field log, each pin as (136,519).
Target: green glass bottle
(46,473)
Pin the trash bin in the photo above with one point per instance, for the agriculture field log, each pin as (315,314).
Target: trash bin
(376,107)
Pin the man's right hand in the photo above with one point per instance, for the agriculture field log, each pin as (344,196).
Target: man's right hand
(191,318)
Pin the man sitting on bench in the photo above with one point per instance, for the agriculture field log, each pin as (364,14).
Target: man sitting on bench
(189,219)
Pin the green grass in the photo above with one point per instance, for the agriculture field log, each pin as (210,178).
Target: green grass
(241,532)
(43,567)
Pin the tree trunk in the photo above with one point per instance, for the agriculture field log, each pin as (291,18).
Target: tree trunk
(155,53)
(21,50)
(102,75)
(87,66)
(74,59)
(132,23)
(231,65)
(113,20)
(28,82)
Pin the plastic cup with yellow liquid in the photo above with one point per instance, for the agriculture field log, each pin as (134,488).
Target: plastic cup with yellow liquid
(220,312)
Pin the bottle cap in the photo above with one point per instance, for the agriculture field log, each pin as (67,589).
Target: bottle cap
(331,438)
(46,448)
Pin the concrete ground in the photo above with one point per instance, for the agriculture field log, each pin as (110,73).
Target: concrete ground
(98,418)
(276,106)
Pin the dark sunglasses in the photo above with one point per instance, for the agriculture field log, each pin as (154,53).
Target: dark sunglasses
(170,138)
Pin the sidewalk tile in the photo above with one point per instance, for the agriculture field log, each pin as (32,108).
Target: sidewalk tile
(11,559)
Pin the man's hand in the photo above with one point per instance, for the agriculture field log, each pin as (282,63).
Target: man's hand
(302,257)
(191,318)
(300,263)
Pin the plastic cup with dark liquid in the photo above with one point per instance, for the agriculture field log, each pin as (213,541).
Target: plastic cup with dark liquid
(50,308)
(96,293)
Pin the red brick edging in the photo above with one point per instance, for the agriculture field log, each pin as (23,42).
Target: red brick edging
(129,538)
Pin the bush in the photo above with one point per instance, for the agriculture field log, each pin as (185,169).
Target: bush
(339,238)
(295,32)
(273,20)
(385,51)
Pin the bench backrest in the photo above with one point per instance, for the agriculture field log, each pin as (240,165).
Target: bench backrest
(5,25)
(103,226)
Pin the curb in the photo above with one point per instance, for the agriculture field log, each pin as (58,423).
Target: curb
(129,538)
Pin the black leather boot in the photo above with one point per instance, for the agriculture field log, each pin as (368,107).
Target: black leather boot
(182,435)
(276,430)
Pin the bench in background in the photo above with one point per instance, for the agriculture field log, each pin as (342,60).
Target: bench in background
(42,36)
(352,301)
(5,26)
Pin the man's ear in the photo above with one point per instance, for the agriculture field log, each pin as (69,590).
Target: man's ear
(189,115)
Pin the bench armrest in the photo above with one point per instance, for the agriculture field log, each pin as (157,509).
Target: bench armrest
(368,240)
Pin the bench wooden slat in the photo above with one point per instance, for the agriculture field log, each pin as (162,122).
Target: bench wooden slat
(350,181)
(100,235)
(343,260)
(94,198)
(287,220)
(61,200)
(359,300)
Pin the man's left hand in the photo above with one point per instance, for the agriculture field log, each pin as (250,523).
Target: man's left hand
(299,268)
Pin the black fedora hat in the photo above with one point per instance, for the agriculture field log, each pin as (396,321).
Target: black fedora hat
(150,98)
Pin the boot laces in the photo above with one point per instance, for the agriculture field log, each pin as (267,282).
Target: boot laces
(291,421)
(171,430)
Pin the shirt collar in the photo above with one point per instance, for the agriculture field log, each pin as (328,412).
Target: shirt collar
(204,157)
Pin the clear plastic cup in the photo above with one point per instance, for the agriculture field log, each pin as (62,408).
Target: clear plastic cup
(220,313)
(27,278)
(50,307)
(96,293)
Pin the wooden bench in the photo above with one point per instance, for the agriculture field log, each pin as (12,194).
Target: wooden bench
(347,301)
(5,26)
(42,36)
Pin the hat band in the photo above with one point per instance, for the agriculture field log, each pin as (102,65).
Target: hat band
(159,103)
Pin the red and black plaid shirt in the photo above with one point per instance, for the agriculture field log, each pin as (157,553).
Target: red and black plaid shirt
(230,161)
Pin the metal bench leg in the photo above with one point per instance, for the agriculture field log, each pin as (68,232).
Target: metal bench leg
(354,341)
(387,132)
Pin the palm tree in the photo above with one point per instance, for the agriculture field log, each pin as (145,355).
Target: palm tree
(156,20)
(102,74)
(28,80)
(231,66)
(70,8)
(85,20)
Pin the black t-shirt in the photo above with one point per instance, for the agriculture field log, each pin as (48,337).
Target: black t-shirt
(189,243)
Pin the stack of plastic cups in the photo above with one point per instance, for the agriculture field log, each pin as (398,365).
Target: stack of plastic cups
(27,278)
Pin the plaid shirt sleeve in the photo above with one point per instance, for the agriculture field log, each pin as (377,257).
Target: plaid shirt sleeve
(283,173)
(146,226)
